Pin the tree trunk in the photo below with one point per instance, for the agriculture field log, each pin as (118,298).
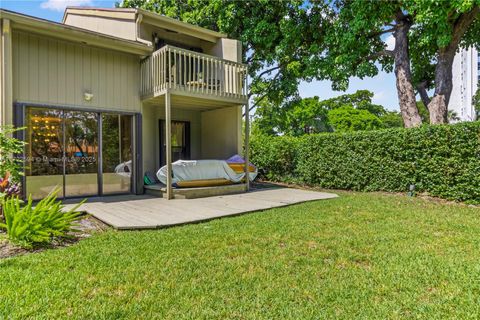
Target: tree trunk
(403,75)
(438,106)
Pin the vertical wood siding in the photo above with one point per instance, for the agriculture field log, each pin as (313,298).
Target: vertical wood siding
(56,72)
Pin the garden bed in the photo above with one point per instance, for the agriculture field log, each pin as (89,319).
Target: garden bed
(86,227)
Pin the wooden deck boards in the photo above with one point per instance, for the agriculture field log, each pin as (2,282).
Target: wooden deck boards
(139,212)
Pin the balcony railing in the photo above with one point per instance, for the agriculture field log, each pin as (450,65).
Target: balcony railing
(183,70)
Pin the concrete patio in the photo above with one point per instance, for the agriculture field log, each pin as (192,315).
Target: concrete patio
(148,212)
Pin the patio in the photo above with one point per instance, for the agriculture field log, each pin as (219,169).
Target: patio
(148,212)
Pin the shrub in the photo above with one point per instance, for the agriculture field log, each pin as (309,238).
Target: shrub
(276,155)
(443,161)
(9,147)
(27,225)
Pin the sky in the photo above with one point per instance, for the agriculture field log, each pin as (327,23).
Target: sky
(382,85)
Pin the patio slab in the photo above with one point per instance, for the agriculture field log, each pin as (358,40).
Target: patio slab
(148,212)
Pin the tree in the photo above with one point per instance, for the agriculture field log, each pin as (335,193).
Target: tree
(312,115)
(347,118)
(278,37)
(427,35)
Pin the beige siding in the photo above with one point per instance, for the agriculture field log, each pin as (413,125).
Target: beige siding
(221,133)
(47,71)
(122,28)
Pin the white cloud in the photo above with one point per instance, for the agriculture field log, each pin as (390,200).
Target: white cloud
(60,5)
(390,42)
(378,97)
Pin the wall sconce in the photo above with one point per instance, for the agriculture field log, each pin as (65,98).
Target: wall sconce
(88,96)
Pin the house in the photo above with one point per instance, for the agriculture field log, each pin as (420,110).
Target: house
(109,94)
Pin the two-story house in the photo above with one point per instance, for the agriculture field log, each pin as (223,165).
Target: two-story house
(109,94)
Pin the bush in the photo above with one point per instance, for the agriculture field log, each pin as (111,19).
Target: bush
(30,225)
(276,155)
(443,161)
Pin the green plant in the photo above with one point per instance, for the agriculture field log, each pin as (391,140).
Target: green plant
(27,225)
(9,147)
(442,161)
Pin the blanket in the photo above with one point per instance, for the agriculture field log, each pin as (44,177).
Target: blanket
(188,170)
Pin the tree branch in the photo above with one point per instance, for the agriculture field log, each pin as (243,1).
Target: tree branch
(461,26)
(268,71)
(422,91)
(263,96)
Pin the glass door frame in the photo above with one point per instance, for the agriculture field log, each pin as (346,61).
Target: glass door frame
(19,120)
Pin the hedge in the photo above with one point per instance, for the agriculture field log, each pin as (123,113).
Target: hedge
(442,161)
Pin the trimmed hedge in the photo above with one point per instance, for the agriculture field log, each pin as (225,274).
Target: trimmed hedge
(442,161)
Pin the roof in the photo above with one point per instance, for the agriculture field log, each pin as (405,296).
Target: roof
(73,34)
(149,18)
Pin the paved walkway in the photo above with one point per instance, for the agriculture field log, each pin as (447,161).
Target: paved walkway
(140,212)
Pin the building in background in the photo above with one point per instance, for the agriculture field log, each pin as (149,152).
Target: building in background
(466,76)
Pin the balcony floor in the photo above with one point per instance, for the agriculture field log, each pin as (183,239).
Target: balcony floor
(194,100)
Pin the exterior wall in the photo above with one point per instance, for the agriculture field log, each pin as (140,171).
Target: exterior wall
(6,114)
(151,142)
(122,28)
(228,49)
(55,72)
(465,82)
(221,133)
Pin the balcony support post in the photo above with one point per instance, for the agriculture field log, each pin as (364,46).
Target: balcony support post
(168,143)
(247,147)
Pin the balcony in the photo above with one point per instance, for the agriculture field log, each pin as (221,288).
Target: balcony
(194,75)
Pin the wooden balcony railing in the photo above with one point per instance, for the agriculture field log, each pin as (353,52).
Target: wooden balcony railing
(179,69)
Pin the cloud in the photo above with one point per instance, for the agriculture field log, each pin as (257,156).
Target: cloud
(60,5)
(378,97)
(390,42)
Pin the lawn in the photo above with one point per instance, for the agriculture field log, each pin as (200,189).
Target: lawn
(358,256)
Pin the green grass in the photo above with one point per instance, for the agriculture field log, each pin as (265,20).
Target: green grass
(359,256)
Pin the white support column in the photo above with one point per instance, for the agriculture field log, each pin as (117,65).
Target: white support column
(247,147)
(6,75)
(168,144)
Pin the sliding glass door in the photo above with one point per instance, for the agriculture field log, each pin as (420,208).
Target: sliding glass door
(64,149)
(81,153)
(44,152)
(116,153)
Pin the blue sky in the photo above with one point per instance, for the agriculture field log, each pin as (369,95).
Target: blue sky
(383,85)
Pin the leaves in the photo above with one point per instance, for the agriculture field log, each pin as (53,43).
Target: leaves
(442,161)
(311,115)
(27,224)
(10,147)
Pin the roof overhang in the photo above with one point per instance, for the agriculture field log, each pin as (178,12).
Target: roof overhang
(148,18)
(180,27)
(73,34)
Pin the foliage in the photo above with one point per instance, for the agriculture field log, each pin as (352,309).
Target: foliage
(8,188)
(347,119)
(424,114)
(359,256)
(355,38)
(9,147)
(27,225)
(312,115)
(278,36)
(476,102)
(439,160)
